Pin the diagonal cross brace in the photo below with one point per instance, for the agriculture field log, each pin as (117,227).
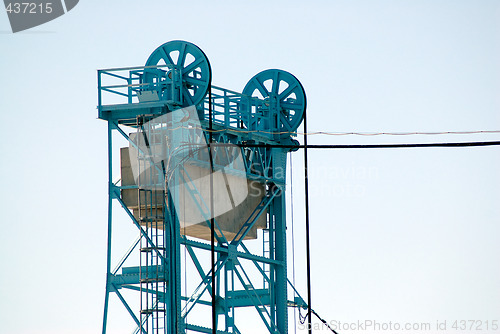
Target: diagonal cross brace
(198,292)
(196,263)
(257,212)
(143,233)
(124,302)
(259,306)
(125,257)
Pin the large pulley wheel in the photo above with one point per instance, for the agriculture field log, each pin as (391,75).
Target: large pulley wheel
(284,98)
(185,66)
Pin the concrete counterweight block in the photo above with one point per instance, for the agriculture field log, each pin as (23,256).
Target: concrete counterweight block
(235,194)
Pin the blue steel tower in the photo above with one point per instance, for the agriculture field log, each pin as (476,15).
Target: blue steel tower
(201,162)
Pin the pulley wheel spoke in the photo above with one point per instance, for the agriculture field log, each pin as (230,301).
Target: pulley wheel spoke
(188,60)
(284,95)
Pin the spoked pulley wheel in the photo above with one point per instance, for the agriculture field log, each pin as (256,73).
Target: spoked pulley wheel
(284,95)
(187,72)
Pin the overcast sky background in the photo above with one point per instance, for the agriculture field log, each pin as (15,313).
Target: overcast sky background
(401,235)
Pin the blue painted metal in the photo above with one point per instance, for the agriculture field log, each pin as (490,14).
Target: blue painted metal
(269,111)
(285,101)
(185,78)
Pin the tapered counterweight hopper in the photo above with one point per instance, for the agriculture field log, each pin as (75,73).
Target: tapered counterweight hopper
(225,187)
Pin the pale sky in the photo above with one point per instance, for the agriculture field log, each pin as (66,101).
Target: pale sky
(397,235)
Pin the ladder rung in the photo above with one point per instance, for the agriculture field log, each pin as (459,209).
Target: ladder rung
(151,218)
(153,280)
(151,311)
(150,249)
(150,185)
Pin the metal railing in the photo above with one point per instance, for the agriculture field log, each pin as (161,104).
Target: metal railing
(231,110)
